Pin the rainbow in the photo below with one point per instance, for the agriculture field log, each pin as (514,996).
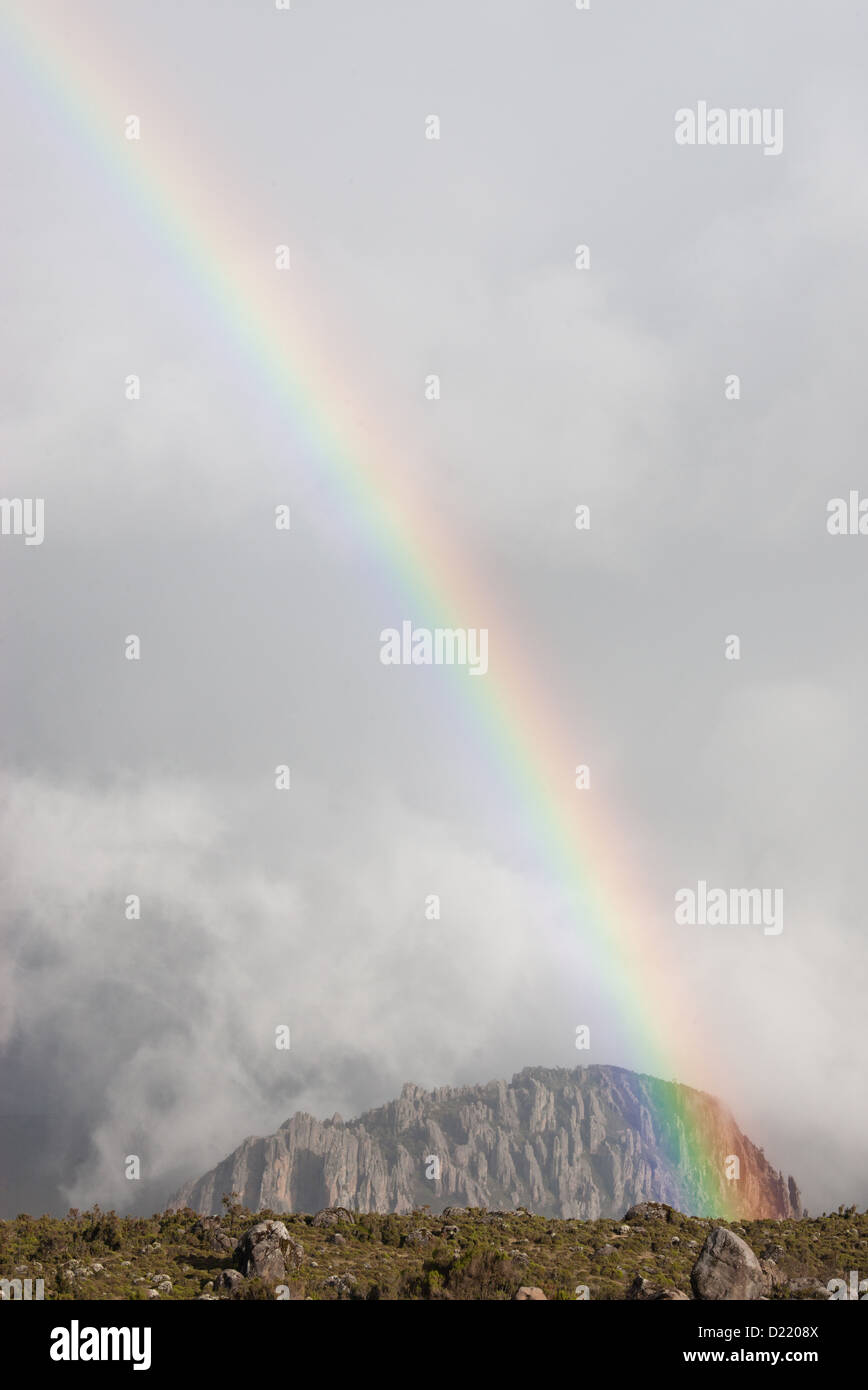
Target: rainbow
(511,713)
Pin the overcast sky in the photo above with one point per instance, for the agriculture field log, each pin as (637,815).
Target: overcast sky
(559,386)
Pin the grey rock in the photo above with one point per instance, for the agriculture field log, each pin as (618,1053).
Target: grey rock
(227,1280)
(808,1288)
(529,1293)
(330,1216)
(727,1269)
(267,1251)
(648,1211)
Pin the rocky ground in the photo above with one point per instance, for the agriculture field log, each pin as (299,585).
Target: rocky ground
(463,1253)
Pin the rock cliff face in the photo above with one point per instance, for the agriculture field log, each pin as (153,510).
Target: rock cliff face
(585,1143)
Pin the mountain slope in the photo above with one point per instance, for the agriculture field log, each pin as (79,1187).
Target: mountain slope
(585,1143)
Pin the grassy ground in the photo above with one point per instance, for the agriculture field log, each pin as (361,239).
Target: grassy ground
(470,1254)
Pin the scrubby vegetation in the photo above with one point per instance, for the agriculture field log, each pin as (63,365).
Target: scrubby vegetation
(461,1254)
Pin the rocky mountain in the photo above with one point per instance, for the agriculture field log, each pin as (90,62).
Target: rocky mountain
(586,1143)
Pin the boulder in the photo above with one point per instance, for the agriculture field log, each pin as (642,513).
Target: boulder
(649,1211)
(227,1280)
(529,1293)
(808,1288)
(727,1269)
(267,1251)
(330,1216)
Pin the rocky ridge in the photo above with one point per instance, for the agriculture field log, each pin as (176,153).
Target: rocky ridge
(583,1143)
